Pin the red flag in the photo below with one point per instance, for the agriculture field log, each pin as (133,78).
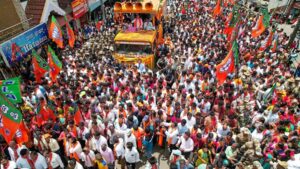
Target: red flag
(218,9)
(21,134)
(225,67)
(71,34)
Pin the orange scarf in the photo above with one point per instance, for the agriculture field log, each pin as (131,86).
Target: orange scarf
(74,155)
(160,137)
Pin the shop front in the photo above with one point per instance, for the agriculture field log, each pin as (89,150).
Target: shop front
(95,9)
(80,12)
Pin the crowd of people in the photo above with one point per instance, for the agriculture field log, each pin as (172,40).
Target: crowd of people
(187,117)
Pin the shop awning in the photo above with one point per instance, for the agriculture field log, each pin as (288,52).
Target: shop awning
(62,21)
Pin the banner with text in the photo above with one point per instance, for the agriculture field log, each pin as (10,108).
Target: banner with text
(18,47)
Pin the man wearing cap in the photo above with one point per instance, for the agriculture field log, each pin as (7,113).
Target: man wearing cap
(50,143)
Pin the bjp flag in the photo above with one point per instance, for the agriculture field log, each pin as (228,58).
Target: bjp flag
(21,134)
(228,64)
(70,33)
(10,119)
(55,33)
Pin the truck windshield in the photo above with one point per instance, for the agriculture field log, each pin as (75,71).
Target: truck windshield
(134,49)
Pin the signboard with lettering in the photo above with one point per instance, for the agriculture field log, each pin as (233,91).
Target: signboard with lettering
(18,47)
(79,7)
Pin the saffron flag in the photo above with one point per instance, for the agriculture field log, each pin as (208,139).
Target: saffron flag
(15,50)
(269,93)
(54,64)
(55,33)
(267,42)
(71,34)
(21,134)
(10,119)
(11,89)
(218,9)
(262,24)
(44,112)
(227,65)
(77,115)
(40,66)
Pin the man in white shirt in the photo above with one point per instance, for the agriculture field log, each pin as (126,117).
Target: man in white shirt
(88,158)
(6,164)
(98,141)
(24,161)
(120,151)
(50,143)
(172,136)
(14,150)
(186,144)
(131,156)
(129,137)
(82,131)
(53,160)
(223,130)
(190,120)
(38,160)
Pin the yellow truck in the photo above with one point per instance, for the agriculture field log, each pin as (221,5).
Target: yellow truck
(140,44)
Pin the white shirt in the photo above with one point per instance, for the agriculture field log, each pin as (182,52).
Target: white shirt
(190,122)
(75,149)
(22,163)
(12,165)
(82,133)
(55,161)
(294,164)
(12,154)
(120,150)
(132,156)
(257,136)
(172,134)
(88,158)
(221,132)
(52,145)
(186,145)
(98,143)
(131,139)
(78,166)
(40,162)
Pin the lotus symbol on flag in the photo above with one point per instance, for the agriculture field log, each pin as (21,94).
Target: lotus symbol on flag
(55,33)
(226,66)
